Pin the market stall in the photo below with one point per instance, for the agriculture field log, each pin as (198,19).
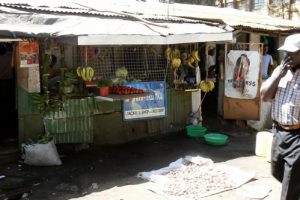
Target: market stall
(152,68)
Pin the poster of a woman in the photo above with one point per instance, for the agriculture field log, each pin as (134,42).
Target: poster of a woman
(242,74)
(240,71)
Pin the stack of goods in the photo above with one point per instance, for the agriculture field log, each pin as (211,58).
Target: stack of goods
(121,89)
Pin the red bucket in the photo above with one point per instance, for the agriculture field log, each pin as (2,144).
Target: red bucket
(104,91)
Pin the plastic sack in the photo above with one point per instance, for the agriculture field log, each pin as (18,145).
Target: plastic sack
(41,154)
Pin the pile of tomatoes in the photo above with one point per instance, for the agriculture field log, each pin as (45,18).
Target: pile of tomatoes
(121,89)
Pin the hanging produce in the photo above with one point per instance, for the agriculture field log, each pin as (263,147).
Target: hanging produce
(190,61)
(168,53)
(121,76)
(195,55)
(122,73)
(173,55)
(207,86)
(175,63)
(86,73)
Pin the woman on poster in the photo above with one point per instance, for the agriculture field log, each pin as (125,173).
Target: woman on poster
(240,71)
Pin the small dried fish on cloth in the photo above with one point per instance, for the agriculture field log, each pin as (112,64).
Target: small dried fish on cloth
(196,177)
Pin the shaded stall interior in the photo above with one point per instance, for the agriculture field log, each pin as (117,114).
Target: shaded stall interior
(8,122)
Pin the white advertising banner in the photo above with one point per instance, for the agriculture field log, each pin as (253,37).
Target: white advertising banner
(242,74)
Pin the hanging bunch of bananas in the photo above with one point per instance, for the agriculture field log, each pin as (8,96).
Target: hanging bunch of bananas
(195,55)
(173,55)
(86,73)
(175,63)
(168,53)
(190,60)
(207,86)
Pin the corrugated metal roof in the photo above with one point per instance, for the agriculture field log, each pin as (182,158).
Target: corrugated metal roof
(234,17)
(60,8)
(81,16)
(105,9)
(156,11)
(110,31)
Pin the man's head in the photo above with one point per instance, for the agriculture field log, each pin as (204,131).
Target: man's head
(291,43)
(292,47)
(266,49)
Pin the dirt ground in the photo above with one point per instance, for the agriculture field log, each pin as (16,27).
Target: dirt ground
(110,172)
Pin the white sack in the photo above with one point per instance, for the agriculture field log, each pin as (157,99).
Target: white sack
(41,154)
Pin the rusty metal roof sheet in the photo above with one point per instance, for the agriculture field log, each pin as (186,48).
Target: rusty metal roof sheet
(109,31)
(234,17)
(156,12)
(80,7)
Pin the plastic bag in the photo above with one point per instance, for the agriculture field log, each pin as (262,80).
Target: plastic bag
(41,154)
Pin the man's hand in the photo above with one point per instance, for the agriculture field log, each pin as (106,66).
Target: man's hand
(286,64)
(269,87)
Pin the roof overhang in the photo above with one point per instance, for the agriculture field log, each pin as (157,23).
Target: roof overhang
(153,39)
(10,39)
(102,31)
(151,10)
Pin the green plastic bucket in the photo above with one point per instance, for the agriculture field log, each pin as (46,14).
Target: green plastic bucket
(216,139)
(195,131)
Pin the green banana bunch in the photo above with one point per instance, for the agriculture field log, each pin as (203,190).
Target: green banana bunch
(86,73)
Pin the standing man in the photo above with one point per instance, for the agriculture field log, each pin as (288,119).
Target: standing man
(283,88)
(267,62)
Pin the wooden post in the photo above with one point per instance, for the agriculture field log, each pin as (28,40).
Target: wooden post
(250,5)
(235,4)
(269,3)
(290,9)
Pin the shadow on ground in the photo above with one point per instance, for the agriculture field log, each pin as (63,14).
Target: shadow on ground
(99,168)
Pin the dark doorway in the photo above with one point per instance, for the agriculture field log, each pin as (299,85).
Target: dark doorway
(211,101)
(8,120)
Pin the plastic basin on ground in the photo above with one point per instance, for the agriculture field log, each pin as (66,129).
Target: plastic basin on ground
(216,139)
(195,131)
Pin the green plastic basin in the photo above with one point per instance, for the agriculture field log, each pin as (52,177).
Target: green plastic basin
(216,139)
(195,131)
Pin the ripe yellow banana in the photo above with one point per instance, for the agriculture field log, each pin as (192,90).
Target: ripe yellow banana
(211,85)
(195,55)
(78,71)
(207,86)
(87,69)
(175,63)
(176,53)
(90,73)
(204,86)
(86,73)
(168,53)
(83,73)
(190,62)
